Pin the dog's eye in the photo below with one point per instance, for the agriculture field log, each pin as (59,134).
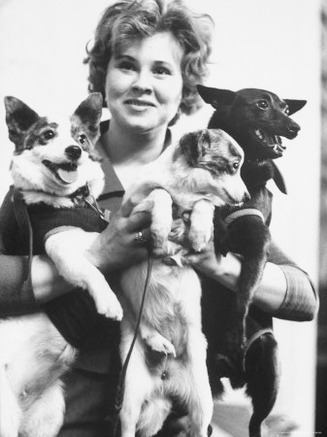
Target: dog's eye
(82,139)
(236,165)
(262,104)
(48,135)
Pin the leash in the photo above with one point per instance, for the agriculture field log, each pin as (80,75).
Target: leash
(121,382)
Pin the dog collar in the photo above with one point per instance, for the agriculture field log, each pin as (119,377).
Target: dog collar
(81,193)
(242,213)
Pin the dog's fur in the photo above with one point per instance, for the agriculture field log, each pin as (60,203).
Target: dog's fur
(168,362)
(52,162)
(256,119)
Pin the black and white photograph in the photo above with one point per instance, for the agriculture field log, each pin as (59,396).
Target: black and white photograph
(163,218)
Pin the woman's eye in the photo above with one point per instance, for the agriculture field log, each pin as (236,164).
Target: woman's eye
(162,71)
(128,66)
(48,135)
(262,104)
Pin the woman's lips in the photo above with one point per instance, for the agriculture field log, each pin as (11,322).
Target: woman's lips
(139,103)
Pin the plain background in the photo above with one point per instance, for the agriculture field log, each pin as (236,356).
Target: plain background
(270,44)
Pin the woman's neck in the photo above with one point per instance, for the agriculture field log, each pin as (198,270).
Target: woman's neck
(130,151)
(131,147)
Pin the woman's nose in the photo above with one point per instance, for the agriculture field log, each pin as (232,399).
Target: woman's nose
(142,82)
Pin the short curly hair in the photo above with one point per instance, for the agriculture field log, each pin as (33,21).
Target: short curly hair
(126,20)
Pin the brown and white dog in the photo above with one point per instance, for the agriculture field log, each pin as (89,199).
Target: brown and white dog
(56,175)
(168,362)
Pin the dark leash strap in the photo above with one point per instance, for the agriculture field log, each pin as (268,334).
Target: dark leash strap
(24,226)
(121,382)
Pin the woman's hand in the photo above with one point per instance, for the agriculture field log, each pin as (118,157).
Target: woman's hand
(223,269)
(119,245)
(207,261)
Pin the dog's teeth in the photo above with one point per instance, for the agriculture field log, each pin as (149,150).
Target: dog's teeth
(259,134)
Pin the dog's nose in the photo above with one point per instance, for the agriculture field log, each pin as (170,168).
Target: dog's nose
(293,128)
(73,152)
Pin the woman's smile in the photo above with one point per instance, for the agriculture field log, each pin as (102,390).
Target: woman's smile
(139,104)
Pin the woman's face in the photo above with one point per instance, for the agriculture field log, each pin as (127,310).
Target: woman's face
(144,83)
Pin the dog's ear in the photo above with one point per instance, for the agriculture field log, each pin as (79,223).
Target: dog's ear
(216,97)
(193,145)
(89,112)
(19,118)
(294,105)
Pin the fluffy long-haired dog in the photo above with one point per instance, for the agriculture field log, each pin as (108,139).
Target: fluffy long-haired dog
(168,362)
(56,176)
(256,119)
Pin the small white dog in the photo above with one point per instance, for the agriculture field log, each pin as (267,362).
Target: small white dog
(58,176)
(168,362)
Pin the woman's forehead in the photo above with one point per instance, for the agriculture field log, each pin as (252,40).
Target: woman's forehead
(161,47)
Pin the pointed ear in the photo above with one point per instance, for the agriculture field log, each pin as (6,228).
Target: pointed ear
(294,105)
(193,145)
(215,96)
(89,113)
(19,118)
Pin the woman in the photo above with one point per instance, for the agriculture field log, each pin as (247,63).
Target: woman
(146,60)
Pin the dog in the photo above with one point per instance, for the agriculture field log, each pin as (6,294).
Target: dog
(168,361)
(57,176)
(256,119)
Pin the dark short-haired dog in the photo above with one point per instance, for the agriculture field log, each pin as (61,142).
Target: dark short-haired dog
(256,119)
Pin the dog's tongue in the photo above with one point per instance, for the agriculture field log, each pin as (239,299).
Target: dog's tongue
(67,176)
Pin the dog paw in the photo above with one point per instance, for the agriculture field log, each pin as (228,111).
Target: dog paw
(159,235)
(109,306)
(166,248)
(199,238)
(160,344)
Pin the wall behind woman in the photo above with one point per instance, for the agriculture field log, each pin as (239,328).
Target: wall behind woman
(271,44)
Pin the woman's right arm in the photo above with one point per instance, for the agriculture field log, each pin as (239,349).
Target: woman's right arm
(21,291)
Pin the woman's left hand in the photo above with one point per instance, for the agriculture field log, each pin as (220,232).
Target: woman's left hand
(223,269)
(207,261)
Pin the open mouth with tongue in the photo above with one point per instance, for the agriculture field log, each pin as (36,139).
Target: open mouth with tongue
(272,144)
(65,172)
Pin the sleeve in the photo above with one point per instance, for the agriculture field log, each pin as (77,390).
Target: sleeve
(301,300)
(16,292)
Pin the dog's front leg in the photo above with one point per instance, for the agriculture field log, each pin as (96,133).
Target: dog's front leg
(201,227)
(67,249)
(162,218)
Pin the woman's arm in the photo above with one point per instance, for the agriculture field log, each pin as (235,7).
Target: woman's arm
(22,291)
(285,290)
